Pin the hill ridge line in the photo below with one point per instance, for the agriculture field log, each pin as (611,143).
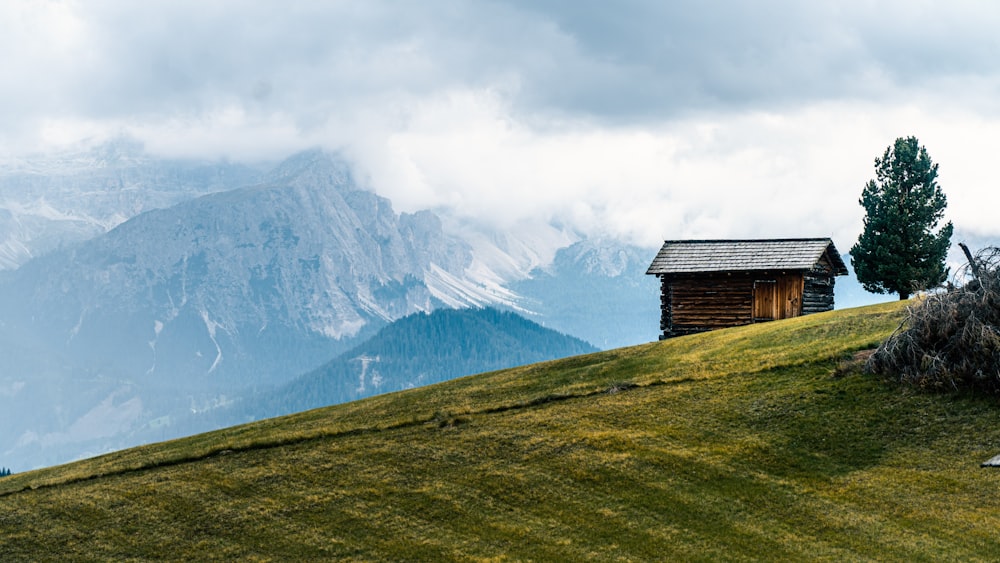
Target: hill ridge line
(443,420)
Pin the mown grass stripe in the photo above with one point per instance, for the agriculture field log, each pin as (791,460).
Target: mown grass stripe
(761,443)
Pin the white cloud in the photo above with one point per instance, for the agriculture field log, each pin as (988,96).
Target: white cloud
(642,119)
(798,173)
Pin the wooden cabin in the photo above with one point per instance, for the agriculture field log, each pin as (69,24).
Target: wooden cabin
(710,284)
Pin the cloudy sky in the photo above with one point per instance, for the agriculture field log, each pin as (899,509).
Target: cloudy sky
(644,119)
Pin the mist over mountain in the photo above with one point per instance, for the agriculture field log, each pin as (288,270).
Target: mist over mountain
(596,290)
(144,299)
(182,309)
(220,286)
(51,201)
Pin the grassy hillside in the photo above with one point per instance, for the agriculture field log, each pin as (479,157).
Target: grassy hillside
(751,443)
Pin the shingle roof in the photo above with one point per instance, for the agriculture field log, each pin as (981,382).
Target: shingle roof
(692,256)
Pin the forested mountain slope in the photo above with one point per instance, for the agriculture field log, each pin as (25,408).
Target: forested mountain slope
(421,349)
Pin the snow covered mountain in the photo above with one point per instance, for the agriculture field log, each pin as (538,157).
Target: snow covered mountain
(55,200)
(242,287)
(169,310)
(596,290)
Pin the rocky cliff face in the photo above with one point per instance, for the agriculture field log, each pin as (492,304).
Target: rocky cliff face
(245,286)
(53,201)
(179,300)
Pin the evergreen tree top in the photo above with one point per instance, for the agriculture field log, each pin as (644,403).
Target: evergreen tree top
(898,252)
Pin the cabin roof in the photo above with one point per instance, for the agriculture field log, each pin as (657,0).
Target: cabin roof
(696,256)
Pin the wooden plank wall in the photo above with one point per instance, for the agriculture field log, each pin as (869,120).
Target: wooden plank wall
(818,294)
(695,304)
(819,281)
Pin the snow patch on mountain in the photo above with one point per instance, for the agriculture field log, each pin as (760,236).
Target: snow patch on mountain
(13,252)
(457,293)
(212,326)
(337,317)
(512,254)
(368,373)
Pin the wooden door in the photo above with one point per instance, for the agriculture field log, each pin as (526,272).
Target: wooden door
(790,288)
(779,298)
(765,300)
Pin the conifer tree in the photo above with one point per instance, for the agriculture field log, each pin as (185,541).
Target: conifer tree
(898,252)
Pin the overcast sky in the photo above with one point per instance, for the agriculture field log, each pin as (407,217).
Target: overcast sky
(640,119)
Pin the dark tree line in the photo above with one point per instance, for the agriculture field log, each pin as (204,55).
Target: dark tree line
(4,472)
(421,349)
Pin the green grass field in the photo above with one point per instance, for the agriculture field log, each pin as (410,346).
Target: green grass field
(758,443)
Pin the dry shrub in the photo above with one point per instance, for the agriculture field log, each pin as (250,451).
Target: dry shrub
(950,341)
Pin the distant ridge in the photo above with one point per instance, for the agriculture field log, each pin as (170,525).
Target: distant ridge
(421,349)
(170,288)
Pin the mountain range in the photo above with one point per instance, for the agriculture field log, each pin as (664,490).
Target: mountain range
(197,291)
(142,298)
(51,201)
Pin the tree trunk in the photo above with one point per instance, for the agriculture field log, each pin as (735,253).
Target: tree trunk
(972,261)
(904,295)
